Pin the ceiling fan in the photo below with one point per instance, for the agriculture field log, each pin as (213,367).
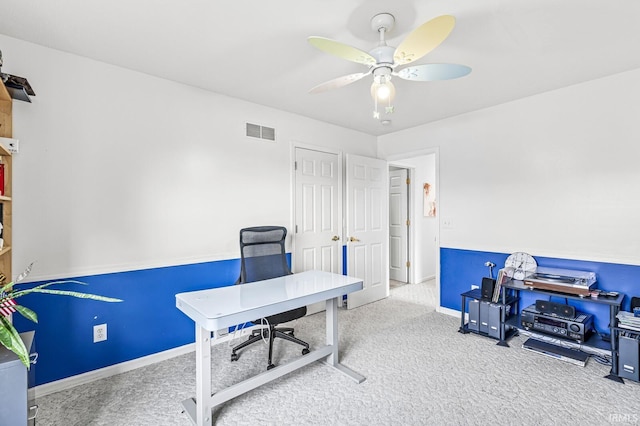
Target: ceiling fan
(385,61)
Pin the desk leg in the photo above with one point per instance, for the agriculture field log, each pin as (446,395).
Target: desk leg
(203,377)
(332,340)
(332,331)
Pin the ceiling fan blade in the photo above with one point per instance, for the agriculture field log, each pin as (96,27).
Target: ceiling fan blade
(338,82)
(424,39)
(433,72)
(342,50)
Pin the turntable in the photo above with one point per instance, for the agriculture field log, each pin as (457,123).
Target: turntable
(562,280)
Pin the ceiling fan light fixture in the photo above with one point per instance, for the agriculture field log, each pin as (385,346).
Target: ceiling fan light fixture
(383,93)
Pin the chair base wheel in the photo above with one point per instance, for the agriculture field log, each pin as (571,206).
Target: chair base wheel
(305,351)
(234,357)
(270,366)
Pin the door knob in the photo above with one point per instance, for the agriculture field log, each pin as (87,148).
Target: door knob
(353,239)
(335,238)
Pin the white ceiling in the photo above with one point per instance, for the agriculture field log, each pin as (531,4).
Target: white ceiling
(256,50)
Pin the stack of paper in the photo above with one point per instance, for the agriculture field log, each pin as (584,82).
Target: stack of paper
(627,320)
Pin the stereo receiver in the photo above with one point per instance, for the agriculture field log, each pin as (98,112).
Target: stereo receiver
(576,328)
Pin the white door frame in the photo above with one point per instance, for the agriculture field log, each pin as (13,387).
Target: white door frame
(396,160)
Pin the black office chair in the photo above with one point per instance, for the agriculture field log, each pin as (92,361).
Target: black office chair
(263,257)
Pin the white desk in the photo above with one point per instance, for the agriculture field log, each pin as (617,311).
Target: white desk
(222,307)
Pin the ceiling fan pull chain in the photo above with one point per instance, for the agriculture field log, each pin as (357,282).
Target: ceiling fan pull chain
(376,114)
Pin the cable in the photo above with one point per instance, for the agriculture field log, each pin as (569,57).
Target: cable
(601,359)
(268,326)
(238,328)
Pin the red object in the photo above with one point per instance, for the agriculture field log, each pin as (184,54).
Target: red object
(7,306)
(1,179)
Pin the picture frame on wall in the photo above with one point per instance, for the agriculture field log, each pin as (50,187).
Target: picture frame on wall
(429,195)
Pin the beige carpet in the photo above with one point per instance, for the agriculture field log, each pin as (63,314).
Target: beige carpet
(419,369)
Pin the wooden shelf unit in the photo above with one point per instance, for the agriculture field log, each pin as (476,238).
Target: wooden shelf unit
(6,131)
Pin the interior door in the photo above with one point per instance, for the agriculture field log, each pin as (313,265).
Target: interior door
(398,225)
(367,228)
(318,214)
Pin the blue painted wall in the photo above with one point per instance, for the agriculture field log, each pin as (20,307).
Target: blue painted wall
(459,269)
(146,322)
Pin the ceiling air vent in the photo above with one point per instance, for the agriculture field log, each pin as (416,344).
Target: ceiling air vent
(261,132)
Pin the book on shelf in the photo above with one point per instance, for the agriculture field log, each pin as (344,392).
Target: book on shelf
(1,178)
(502,278)
(1,226)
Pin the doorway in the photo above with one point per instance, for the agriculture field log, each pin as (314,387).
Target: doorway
(423,251)
(399,224)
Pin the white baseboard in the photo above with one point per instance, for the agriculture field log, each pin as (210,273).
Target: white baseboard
(448,311)
(101,373)
(67,383)
(429,278)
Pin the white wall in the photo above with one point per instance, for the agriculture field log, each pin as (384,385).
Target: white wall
(119,170)
(555,174)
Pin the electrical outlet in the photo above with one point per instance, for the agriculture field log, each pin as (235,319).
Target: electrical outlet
(99,333)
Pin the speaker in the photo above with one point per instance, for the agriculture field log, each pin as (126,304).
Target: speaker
(488,284)
(635,303)
(560,309)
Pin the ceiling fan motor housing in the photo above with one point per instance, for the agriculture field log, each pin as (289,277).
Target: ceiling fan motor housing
(382,74)
(383,54)
(382,23)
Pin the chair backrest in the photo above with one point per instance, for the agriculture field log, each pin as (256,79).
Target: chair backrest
(262,253)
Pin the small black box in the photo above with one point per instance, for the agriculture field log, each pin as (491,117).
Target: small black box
(488,285)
